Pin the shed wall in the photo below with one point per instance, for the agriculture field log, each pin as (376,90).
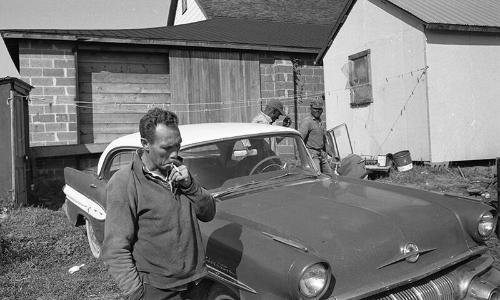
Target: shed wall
(50,67)
(463,95)
(116,89)
(397,118)
(5,147)
(211,86)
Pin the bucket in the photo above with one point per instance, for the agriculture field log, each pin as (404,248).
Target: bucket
(402,159)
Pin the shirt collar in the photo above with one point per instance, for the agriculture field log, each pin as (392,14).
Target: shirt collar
(145,169)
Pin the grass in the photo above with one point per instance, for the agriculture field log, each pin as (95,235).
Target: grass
(38,248)
(38,245)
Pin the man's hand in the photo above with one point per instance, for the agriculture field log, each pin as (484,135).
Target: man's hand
(287,121)
(180,174)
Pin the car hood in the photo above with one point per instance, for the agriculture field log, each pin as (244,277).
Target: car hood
(359,228)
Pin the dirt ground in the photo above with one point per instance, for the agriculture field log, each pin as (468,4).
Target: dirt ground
(38,246)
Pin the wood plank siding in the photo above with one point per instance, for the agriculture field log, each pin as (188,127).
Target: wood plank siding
(210,86)
(115,89)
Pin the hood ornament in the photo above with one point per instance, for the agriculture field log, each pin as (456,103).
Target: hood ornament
(409,252)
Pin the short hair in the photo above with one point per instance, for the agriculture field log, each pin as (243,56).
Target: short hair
(154,117)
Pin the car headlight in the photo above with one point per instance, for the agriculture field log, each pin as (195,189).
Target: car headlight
(313,281)
(486,225)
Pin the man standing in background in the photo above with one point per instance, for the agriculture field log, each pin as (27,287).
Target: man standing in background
(313,131)
(272,111)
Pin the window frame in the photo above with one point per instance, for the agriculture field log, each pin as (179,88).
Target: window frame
(360,102)
(104,172)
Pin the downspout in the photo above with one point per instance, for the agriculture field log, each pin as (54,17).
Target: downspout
(77,94)
(12,145)
(427,96)
(295,105)
(295,75)
(77,102)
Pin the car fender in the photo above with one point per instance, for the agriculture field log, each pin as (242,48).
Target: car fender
(236,251)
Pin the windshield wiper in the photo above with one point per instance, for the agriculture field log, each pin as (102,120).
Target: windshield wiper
(254,183)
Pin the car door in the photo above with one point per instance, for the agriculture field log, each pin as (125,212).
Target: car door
(339,141)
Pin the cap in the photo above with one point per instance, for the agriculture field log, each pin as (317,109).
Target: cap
(276,104)
(317,103)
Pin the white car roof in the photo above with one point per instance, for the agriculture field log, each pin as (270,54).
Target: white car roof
(193,134)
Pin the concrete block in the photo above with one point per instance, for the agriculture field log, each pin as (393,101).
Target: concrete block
(56,127)
(283,69)
(45,118)
(42,81)
(62,118)
(53,72)
(66,136)
(41,63)
(279,77)
(56,90)
(43,137)
(55,109)
(39,127)
(30,72)
(70,91)
(65,81)
(66,63)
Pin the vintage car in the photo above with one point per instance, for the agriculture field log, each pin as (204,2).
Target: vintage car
(285,231)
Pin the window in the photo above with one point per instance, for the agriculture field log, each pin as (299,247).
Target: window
(360,78)
(118,160)
(184,6)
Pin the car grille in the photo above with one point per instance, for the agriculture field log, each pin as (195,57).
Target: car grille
(440,288)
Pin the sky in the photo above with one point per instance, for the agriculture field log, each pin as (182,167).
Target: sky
(77,14)
(82,14)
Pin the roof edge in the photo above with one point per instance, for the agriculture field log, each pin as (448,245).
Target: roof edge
(178,43)
(459,27)
(340,22)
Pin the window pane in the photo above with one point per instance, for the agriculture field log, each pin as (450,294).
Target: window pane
(119,161)
(359,77)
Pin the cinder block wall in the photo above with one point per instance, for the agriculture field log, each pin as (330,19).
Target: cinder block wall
(50,67)
(277,82)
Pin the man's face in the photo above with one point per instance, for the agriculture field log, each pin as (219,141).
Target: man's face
(165,147)
(275,115)
(316,112)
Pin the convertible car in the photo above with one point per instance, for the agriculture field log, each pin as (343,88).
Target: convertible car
(285,231)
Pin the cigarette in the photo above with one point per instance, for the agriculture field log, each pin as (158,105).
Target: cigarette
(175,168)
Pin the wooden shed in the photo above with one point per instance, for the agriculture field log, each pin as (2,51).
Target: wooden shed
(14,180)
(92,86)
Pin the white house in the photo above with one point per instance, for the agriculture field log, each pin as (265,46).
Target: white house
(422,76)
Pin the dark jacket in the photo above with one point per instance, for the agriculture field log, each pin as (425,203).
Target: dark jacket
(151,231)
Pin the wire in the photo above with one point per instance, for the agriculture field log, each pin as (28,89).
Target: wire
(403,109)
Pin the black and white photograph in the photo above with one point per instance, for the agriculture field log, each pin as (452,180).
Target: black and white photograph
(249,149)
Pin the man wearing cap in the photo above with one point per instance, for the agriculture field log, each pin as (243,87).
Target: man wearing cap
(312,130)
(272,111)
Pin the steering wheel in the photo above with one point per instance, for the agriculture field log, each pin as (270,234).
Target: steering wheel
(263,161)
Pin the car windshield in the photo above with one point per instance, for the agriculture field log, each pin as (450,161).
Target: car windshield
(245,161)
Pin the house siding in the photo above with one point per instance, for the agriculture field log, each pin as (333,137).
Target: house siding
(192,14)
(463,93)
(397,119)
(50,68)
